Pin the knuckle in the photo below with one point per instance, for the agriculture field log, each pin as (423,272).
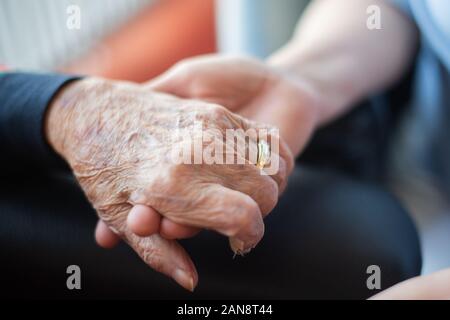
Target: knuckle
(216,112)
(266,194)
(244,213)
(201,113)
(215,116)
(271,196)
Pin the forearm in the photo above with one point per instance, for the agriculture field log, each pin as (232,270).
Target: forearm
(345,61)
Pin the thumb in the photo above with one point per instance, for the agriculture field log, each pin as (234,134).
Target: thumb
(165,256)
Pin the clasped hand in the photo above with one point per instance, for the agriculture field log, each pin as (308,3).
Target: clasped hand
(116,137)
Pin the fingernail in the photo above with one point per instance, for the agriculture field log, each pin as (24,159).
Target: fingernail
(184,279)
(237,245)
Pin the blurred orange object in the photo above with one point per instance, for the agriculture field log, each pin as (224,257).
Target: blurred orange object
(154,40)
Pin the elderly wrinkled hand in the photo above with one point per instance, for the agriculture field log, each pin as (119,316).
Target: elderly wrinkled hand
(254,89)
(118,137)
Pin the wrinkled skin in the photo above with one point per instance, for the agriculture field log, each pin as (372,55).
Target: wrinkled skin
(249,87)
(117,138)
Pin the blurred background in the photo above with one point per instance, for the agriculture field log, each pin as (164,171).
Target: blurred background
(139,39)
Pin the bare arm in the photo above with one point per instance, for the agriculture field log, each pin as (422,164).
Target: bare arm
(431,287)
(335,51)
(333,61)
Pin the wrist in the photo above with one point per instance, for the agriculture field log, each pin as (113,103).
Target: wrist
(297,106)
(57,123)
(332,95)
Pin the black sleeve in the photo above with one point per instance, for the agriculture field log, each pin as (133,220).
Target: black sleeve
(24,98)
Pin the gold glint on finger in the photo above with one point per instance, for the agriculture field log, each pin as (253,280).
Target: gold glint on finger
(263,154)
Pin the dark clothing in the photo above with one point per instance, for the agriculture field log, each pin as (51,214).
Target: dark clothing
(24,98)
(319,241)
(330,225)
